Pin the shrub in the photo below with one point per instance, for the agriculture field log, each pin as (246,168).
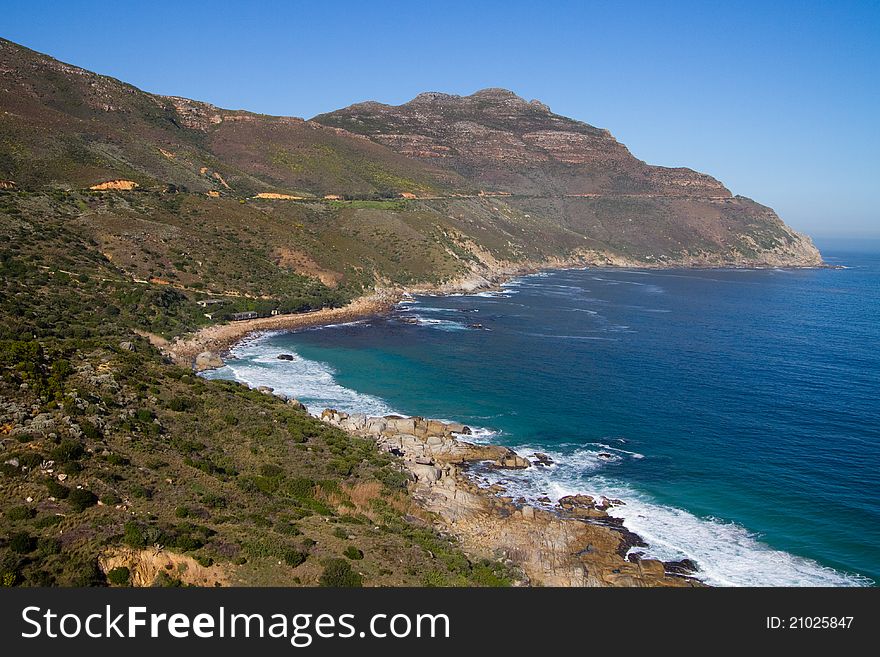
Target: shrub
(119,576)
(68,450)
(287,528)
(22,543)
(71,468)
(353,553)
(81,499)
(484,574)
(164,580)
(141,492)
(20,513)
(213,501)
(89,430)
(57,490)
(301,487)
(293,558)
(182,512)
(85,572)
(133,535)
(117,459)
(339,532)
(110,499)
(30,459)
(271,470)
(434,579)
(338,573)
(180,404)
(47,521)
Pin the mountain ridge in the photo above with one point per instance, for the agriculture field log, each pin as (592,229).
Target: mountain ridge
(559,188)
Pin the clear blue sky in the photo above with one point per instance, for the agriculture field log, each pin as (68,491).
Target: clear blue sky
(781,101)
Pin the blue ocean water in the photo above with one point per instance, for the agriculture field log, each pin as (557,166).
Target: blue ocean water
(736,412)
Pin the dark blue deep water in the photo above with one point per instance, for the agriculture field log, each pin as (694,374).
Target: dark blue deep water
(740,409)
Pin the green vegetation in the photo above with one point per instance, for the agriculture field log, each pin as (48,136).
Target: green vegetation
(339,573)
(119,576)
(237,480)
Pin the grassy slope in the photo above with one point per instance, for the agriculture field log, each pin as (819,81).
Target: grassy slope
(243,483)
(63,127)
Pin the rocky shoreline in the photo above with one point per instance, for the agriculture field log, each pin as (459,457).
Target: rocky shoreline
(577,543)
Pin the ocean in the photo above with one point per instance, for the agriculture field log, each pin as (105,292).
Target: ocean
(735,412)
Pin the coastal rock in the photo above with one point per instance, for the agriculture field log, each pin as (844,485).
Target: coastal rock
(285,357)
(297,404)
(513,462)
(542,459)
(684,567)
(207,360)
(573,501)
(577,544)
(426,472)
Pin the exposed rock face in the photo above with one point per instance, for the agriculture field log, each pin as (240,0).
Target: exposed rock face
(517,146)
(124,185)
(582,177)
(579,544)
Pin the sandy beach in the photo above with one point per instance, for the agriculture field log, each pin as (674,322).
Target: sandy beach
(203,349)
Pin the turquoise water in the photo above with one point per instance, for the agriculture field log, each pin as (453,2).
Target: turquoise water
(740,409)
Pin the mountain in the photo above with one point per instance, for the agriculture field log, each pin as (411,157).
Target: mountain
(490,175)
(581,177)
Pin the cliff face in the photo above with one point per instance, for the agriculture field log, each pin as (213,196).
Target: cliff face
(508,144)
(583,178)
(480,180)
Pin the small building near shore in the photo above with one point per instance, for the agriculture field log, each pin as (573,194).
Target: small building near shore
(250,314)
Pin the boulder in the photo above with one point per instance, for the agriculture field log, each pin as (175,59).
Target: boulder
(400,425)
(126,346)
(684,567)
(437,428)
(285,357)
(426,472)
(457,427)
(512,461)
(207,360)
(376,425)
(297,404)
(577,501)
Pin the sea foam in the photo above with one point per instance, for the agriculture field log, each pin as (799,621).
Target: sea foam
(256,363)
